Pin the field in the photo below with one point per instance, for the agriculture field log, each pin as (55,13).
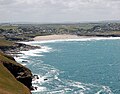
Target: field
(4,43)
(8,27)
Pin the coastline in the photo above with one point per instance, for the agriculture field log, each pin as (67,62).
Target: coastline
(19,72)
(42,79)
(52,38)
(57,37)
(64,37)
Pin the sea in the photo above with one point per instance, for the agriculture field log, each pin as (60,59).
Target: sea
(74,66)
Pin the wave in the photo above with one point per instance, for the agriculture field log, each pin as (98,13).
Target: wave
(63,86)
(35,52)
(38,89)
(49,82)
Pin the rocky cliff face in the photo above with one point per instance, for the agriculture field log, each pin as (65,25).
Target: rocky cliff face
(21,73)
(16,48)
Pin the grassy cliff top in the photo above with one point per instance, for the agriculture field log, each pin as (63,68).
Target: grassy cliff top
(8,83)
(6,43)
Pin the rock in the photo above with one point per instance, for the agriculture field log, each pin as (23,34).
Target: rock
(17,47)
(11,74)
(45,79)
(32,88)
(35,77)
(35,88)
(24,61)
(21,73)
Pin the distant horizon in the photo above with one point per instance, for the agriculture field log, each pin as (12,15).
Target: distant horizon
(22,22)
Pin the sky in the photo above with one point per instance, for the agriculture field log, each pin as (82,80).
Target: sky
(57,11)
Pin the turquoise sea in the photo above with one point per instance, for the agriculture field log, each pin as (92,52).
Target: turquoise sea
(90,66)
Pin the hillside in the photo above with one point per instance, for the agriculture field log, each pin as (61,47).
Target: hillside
(14,78)
(8,82)
(4,43)
(13,48)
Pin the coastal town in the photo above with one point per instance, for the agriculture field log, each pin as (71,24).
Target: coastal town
(22,32)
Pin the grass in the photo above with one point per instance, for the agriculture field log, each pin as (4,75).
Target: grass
(6,43)
(109,33)
(8,83)
(9,27)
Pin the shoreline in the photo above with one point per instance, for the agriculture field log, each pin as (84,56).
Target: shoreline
(64,37)
(58,37)
(54,38)
(37,88)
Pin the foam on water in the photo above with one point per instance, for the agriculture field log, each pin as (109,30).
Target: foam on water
(40,80)
(18,59)
(53,84)
(39,89)
(21,60)
(24,56)
(56,85)
(35,52)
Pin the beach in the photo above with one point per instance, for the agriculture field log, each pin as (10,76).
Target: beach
(57,37)
(64,37)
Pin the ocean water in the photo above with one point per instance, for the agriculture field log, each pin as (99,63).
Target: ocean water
(87,66)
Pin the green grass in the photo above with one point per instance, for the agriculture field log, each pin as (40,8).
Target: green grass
(8,27)
(6,43)
(8,83)
(108,33)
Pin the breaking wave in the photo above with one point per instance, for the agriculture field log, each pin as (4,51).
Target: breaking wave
(48,80)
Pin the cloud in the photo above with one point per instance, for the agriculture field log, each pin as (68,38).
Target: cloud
(6,2)
(58,10)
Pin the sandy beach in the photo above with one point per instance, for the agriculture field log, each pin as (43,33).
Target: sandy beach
(57,37)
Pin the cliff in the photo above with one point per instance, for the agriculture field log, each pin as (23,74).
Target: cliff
(14,78)
(14,48)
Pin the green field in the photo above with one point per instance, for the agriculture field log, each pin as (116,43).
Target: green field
(8,27)
(4,43)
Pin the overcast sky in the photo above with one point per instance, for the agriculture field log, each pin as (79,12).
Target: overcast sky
(58,10)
